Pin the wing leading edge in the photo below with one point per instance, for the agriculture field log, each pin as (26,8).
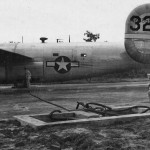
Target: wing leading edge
(8,52)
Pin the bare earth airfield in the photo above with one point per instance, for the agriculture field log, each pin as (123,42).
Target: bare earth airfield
(134,134)
(129,132)
(19,101)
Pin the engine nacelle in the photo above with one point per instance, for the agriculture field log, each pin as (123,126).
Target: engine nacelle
(137,34)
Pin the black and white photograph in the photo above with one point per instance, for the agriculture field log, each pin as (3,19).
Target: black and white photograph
(74,75)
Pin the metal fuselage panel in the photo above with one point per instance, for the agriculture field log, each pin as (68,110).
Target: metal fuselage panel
(53,62)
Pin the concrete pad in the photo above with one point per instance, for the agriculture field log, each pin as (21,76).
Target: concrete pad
(28,120)
(35,123)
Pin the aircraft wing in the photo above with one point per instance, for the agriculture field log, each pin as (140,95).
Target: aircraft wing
(8,51)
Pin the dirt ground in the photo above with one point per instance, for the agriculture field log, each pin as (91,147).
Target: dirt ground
(130,135)
(133,135)
(19,101)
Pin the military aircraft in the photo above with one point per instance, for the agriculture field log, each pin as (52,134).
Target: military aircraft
(66,61)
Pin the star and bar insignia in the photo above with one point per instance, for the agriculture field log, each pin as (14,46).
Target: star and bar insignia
(62,64)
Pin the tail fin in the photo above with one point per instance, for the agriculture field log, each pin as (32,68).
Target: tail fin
(137,34)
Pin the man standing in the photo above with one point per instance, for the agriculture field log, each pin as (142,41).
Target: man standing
(27,78)
(148,75)
(149,92)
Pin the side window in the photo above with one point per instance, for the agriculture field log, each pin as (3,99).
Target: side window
(55,54)
(83,55)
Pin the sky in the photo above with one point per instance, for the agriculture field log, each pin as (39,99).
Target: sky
(54,19)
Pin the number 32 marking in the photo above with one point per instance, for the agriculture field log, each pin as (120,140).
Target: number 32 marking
(137,20)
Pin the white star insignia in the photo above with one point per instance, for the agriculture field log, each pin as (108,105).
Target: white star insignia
(62,64)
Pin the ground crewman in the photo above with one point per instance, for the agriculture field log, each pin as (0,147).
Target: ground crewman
(149,91)
(27,78)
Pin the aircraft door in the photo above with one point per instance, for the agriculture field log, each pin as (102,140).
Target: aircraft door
(81,61)
(85,59)
(74,55)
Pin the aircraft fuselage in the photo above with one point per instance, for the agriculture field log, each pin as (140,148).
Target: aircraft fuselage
(64,61)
